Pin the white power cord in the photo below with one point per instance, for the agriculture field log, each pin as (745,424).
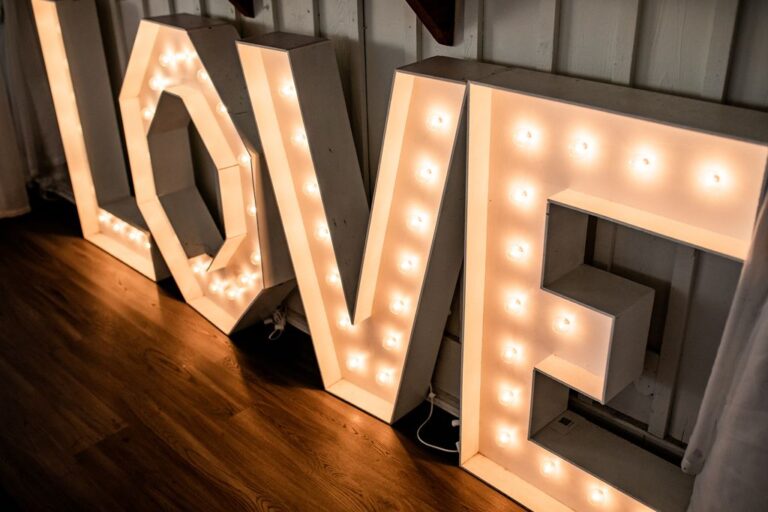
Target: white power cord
(278,321)
(429,417)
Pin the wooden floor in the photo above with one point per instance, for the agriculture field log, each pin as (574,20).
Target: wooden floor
(115,395)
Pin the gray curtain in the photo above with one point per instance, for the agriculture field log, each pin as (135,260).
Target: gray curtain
(13,190)
(728,448)
(31,106)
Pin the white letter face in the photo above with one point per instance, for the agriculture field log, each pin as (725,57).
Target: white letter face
(534,313)
(180,75)
(77,73)
(412,251)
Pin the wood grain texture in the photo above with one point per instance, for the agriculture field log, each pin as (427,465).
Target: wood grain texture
(116,396)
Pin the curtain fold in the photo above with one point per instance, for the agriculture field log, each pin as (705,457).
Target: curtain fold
(13,189)
(728,448)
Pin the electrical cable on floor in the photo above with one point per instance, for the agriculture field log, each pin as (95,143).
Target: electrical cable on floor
(278,321)
(429,417)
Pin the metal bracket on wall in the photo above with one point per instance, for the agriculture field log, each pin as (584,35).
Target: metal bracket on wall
(438,16)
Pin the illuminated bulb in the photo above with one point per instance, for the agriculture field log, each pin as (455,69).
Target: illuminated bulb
(581,148)
(417,221)
(147,245)
(200,267)
(217,286)
(504,437)
(525,137)
(549,467)
(299,138)
(511,353)
(247,278)
(167,59)
(147,113)
(642,163)
(521,195)
(118,227)
(333,278)
(514,305)
(509,396)
(252,210)
(714,179)
(427,174)
(203,75)
(563,324)
(437,121)
(311,188)
(245,159)
(322,232)
(398,306)
(157,83)
(135,235)
(255,258)
(407,264)
(187,56)
(597,496)
(221,108)
(517,252)
(344,321)
(391,342)
(288,90)
(234,292)
(355,362)
(104,217)
(385,377)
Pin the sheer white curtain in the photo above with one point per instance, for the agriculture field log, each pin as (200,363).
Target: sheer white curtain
(31,107)
(728,449)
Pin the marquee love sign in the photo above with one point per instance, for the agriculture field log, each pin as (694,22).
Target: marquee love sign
(545,154)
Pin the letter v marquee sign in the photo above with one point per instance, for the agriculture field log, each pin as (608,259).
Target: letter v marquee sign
(545,153)
(380,354)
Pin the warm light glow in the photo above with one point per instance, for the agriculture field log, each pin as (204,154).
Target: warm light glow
(505,437)
(522,195)
(582,148)
(509,396)
(511,353)
(217,286)
(333,278)
(247,278)
(221,108)
(322,232)
(392,342)
(200,266)
(549,467)
(119,226)
(385,377)
(563,324)
(399,306)
(245,159)
(344,322)
(288,90)
(355,362)
(517,251)
(299,138)
(514,304)
(643,163)
(158,83)
(526,137)
(311,188)
(427,174)
(148,113)
(597,496)
(418,221)
(234,292)
(167,59)
(714,178)
(407,264)
(203,75)
(104,217)
(438,121)
(252,209)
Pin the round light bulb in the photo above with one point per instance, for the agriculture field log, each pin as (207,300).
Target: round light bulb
(521,195)
(417,222)
(427,174)
(187,56)
(385,377)
(514,305)
(398,306)
(311,188)
(322,233)
(118,227)
(147,245)
(252,210)
(355,362)
(288,90)
(714,178)
(200,267)
(597,496)
(245,159)
(333,278)
(642,163)
(221,108)
(391,341)
(255,258)
(157,83)
(407,264)
(135,235)
(344,321)
(167,59)
(517,252)
(509,396)
(104,217)
(217,286)
(581,148)
(234,292)
(525,137)
(203,75)
(437,121)
(563,324)
(549,467)
(148,113)
(511,353)
(299,138)
(505,437)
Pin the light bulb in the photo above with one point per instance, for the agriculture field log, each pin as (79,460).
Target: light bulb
(187,56)
(147,113)
(509,396)
(514,305)
(521,195)
(203,75)
(167,59)
(299,138)
(511,353)
(288,90)
(217,286)
(517,251)
(119,226)
(437,121)
(135,235)
(157,83)
(427,174)
(391,342)
(256,258)
(407,264)
(563,324)
(104,217)
(643,163)
(147,245)
(385,377)
(398,306)
(245,159)
(714,178)
(200,266)
(311,188)
(355,362)
(549,467)
(322,232)
(221,108)
(505,437)
(417,221)
(252,210)
(234,292)
(597,496)
(333,278)
(581,148)
(526,137)
(344,321)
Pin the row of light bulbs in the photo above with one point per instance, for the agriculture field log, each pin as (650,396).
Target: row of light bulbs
(643,163)
(234,288)
(123,228)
